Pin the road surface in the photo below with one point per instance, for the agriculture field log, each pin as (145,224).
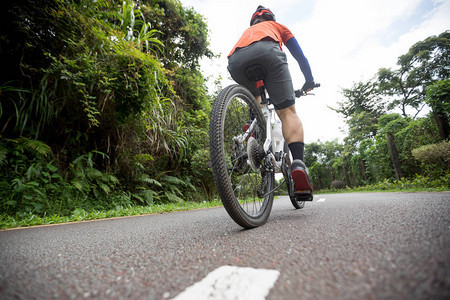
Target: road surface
(341,246)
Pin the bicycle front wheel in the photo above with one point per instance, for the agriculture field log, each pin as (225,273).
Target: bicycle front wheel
(243,176)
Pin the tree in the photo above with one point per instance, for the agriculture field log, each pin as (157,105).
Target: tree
(325,163)
(426,62)
(384,150)
(184,32)
(362,97)
(397,137)
(361,108)
(438,97)
(390,125)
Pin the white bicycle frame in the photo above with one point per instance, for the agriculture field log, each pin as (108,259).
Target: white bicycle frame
(270,117)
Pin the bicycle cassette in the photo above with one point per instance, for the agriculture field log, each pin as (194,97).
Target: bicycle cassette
(255,154)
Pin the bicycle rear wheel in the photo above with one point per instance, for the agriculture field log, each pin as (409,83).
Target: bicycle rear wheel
(245,189)
(286,169)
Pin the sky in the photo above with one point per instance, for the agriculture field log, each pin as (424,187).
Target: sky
(345,42)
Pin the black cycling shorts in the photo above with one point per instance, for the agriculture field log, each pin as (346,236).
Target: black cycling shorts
(278,80)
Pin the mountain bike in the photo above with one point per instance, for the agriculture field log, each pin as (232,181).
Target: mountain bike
(247,149)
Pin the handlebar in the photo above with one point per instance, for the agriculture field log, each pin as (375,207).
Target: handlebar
(301,92)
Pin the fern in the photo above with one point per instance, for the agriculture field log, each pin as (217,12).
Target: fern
(144,178)
(173,180)
(105,188)
(177,181)
(173,198)
(176,190)
(80,184)
(110,178)
(145,196)
(94,173)
(35,145)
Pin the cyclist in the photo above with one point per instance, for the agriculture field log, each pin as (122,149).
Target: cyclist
(261,44)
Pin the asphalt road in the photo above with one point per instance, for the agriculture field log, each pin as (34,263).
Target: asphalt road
(342,246)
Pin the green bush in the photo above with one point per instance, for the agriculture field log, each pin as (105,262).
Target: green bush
(434,157)
(338,184)
(30,182)
(419,182)
(203,176)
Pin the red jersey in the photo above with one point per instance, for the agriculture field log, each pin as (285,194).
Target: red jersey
(263,31)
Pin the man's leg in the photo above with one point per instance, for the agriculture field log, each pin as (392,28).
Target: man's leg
(293,134)
(258,100)
(292,130)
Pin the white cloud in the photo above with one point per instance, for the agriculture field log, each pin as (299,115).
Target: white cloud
(345,41)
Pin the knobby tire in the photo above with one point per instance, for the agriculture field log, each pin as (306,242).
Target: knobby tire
(286,169)
(239,186)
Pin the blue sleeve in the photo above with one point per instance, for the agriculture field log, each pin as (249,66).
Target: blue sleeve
(297,53)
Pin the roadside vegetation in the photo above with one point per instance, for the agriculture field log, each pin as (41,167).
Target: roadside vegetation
(419,184)
(102,106)
(104,113)
(80,214)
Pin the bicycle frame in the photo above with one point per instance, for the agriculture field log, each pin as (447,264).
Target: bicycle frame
(268,111)
(269,114)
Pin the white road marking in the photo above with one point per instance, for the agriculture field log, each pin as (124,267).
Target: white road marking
(230,282)
(321,200)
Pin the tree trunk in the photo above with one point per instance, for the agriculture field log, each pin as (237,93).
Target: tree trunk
(442,124)
(394,156)
(330,170)
(347,179)
(363,169)
(320,180)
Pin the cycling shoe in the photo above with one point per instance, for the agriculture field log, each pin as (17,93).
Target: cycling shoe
(300,176)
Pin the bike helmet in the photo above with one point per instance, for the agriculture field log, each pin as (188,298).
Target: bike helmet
(261,11)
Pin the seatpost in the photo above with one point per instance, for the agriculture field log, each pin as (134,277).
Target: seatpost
(260,85)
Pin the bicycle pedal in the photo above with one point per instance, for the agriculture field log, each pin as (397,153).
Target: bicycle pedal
(303,195)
